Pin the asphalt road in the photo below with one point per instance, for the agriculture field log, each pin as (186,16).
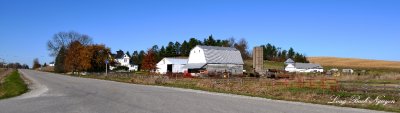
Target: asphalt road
(53,93)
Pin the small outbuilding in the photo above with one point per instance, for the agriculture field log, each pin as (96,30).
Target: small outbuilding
(304,67)
(171,65)
(215,61)
(292,66)
(347,71)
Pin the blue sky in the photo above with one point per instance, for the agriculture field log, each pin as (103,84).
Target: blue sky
(367,29)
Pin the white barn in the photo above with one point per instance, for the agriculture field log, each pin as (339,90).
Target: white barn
(212,60)
(173,65)
(304,67)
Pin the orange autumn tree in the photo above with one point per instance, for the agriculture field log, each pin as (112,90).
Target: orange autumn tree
(77,58)
(149,61)
(99,53)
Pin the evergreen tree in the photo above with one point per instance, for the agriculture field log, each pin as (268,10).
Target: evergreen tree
(162,53)
(283,55)
(193,42)
(185,49)
(225,43)
(170,50)
(177,48)
(210,41)
(155,51)
(140,58)
(268,52)
(129,54)
(141,55)
(135,58)
(291,53)
(218,43)
(59,63)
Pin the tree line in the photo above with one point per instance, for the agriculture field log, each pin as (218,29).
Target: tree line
(16,65)
(273,53)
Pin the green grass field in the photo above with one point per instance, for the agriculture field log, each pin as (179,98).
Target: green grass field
(12,86)
(248,65)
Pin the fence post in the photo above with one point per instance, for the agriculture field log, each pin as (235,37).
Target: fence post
(286,83)
(273,84)
(241,81)
(323,83)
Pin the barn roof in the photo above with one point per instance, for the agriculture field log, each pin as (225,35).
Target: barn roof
(177,60)
(307,66)
(222,55)
(218,48)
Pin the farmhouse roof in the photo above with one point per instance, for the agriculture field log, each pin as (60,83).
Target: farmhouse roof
(307,66)
(222,55)
(289,61)
(120,54)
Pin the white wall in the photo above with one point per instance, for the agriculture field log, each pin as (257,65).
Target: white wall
(197,56)
(290,68)
(176,68)
(124,61)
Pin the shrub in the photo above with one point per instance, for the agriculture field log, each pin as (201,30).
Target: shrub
(121,68)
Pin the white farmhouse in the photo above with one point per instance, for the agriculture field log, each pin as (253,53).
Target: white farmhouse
(173,65)
(122,59)
(214,61)
(51,64)
(303,67)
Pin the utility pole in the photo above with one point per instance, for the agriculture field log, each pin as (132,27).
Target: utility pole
(106,66)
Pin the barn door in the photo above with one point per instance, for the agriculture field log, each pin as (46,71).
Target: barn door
(169,68)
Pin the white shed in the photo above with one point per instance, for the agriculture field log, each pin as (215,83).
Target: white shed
(174,65)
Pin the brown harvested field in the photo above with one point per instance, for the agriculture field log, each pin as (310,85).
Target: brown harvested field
(354,62)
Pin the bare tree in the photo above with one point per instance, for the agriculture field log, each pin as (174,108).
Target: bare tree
(242,46)
(231,42)
(64,39)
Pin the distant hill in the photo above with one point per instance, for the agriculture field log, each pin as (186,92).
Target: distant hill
(354,62)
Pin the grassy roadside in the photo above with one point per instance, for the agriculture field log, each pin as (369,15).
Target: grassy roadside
(12,85)
(262,88)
